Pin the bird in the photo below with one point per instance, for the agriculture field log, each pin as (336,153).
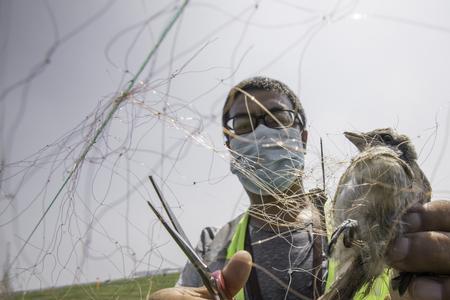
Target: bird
(381,183)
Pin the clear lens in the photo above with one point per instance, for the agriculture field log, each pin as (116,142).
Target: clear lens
(243,124)
(280,119)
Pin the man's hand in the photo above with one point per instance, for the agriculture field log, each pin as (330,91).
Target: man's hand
(235,275)
(425,247)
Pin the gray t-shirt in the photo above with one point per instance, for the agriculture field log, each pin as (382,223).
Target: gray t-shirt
(284,261)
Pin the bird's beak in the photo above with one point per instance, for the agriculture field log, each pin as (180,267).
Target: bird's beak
(357,139)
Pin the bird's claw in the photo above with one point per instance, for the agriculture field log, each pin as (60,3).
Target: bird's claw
(348,227)
(401,282)
(349,233)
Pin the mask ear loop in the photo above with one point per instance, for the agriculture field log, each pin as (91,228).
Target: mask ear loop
(304,136)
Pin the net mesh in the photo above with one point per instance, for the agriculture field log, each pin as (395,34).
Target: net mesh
(94,97)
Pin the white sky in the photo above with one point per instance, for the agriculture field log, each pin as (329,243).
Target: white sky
(356,65)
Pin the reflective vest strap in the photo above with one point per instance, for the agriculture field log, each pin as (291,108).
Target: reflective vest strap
(237,243)
(379,291)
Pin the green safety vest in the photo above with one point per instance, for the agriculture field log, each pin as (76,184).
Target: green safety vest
(379,290)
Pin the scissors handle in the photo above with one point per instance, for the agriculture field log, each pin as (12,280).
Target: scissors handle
(219,283)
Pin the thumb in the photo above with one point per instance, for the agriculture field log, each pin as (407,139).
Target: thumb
(237,271)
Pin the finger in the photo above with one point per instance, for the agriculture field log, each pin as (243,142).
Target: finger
(432,216)
(235,275)
(237,271)
(421,252)
(181,293)
(430,288)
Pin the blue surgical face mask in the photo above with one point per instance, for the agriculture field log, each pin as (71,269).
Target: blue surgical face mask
(267,160)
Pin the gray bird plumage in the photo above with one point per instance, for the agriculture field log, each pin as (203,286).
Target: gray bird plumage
(378,187)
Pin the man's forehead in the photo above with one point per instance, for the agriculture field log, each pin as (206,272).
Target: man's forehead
(268,99)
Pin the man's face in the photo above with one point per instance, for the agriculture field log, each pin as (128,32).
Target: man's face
(276,170)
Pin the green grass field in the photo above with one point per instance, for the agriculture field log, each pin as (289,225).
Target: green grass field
(137,288)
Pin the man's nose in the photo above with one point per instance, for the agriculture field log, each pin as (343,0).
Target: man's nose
(259,120)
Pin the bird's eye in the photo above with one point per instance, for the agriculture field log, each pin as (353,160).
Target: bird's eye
(387,138)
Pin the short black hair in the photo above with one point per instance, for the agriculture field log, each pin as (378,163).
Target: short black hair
(266,84)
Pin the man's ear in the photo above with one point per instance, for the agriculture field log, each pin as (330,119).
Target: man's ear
(226,136)
(226,139)
(304,137)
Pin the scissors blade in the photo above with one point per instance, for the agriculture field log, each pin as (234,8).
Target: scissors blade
(193,257)
(169,212)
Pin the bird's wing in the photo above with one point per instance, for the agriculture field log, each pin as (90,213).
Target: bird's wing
(375,176)
(375,190)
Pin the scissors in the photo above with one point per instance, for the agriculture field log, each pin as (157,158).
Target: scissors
(213,281)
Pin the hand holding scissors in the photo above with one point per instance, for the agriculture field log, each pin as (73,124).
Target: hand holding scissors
(214,281)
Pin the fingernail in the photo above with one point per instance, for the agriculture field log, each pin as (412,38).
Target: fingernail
(426,289)
(412,222)
(399,250)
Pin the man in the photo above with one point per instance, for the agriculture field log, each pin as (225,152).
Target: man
(264,125)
